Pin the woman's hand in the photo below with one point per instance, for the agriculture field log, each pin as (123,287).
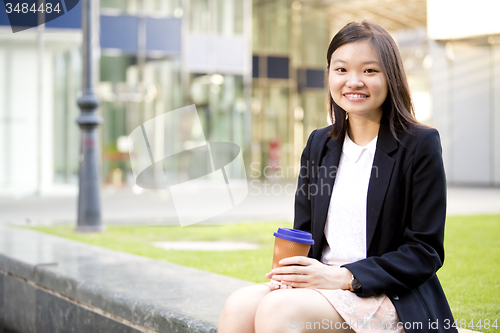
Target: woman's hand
(275,285)
(303,272)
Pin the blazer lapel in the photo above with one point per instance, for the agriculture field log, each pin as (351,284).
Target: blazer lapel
(380,177)
(326,172)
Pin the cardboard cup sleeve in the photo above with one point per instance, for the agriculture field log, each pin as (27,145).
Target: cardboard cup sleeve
(290,243)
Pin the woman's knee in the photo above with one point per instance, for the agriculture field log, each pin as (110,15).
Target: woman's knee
(245,298)
(240,307)
(276,310)
(296,310)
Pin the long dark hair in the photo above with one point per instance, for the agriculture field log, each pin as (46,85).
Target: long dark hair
(397,107)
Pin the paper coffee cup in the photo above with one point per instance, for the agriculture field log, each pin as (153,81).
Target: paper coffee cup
(290,243)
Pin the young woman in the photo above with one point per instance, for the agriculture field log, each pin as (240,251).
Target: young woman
(372,192)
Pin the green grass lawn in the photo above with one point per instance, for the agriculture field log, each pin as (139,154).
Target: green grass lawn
(248,265)
(471,272)
(470,275)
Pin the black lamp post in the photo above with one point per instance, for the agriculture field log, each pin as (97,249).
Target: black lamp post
(89,199)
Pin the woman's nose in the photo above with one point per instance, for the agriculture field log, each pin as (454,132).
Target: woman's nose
(354,81)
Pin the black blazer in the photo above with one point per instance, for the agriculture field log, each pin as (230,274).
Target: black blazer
(406,210)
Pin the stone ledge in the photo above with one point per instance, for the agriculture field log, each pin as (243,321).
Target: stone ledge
(78,284)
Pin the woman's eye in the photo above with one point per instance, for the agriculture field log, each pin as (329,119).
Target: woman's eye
(340,70)
(371,70)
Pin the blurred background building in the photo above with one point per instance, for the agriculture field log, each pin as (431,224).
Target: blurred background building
(255,70)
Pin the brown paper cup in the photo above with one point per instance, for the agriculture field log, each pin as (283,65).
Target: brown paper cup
(284,249)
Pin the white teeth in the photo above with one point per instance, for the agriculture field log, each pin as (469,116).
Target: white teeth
(355,95)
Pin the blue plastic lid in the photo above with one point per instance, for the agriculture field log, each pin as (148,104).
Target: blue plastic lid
(294,235)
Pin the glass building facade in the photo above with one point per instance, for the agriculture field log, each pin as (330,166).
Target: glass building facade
(254,69)
(288,99)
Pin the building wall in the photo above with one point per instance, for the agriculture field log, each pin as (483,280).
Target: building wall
(19,112)
(464,80)
(496,113)
(27,104)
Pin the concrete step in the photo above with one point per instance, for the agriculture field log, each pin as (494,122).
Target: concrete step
(51,284)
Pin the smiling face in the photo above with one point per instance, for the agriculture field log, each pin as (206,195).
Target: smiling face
(357,81)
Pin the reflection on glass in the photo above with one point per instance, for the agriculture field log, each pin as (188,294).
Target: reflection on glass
(229,17)
(162,8)
(220,103)
(271,26)
(199,20)
(67,84)
(128,6)
(312,51)
(128,101)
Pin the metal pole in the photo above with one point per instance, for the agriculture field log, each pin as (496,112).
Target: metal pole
(89,202)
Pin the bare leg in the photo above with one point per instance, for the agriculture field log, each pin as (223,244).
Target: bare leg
(297,310)
(238,315)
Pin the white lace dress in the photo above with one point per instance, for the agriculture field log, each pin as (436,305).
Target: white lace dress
(345,233)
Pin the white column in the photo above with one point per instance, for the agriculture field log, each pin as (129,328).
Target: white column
(496,112)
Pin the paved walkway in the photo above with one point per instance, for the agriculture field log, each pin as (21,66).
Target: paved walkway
(265,202)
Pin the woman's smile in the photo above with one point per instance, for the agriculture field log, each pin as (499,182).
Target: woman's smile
(356,96)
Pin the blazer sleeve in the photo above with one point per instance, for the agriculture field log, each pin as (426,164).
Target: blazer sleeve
(303,213)
(421,253)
